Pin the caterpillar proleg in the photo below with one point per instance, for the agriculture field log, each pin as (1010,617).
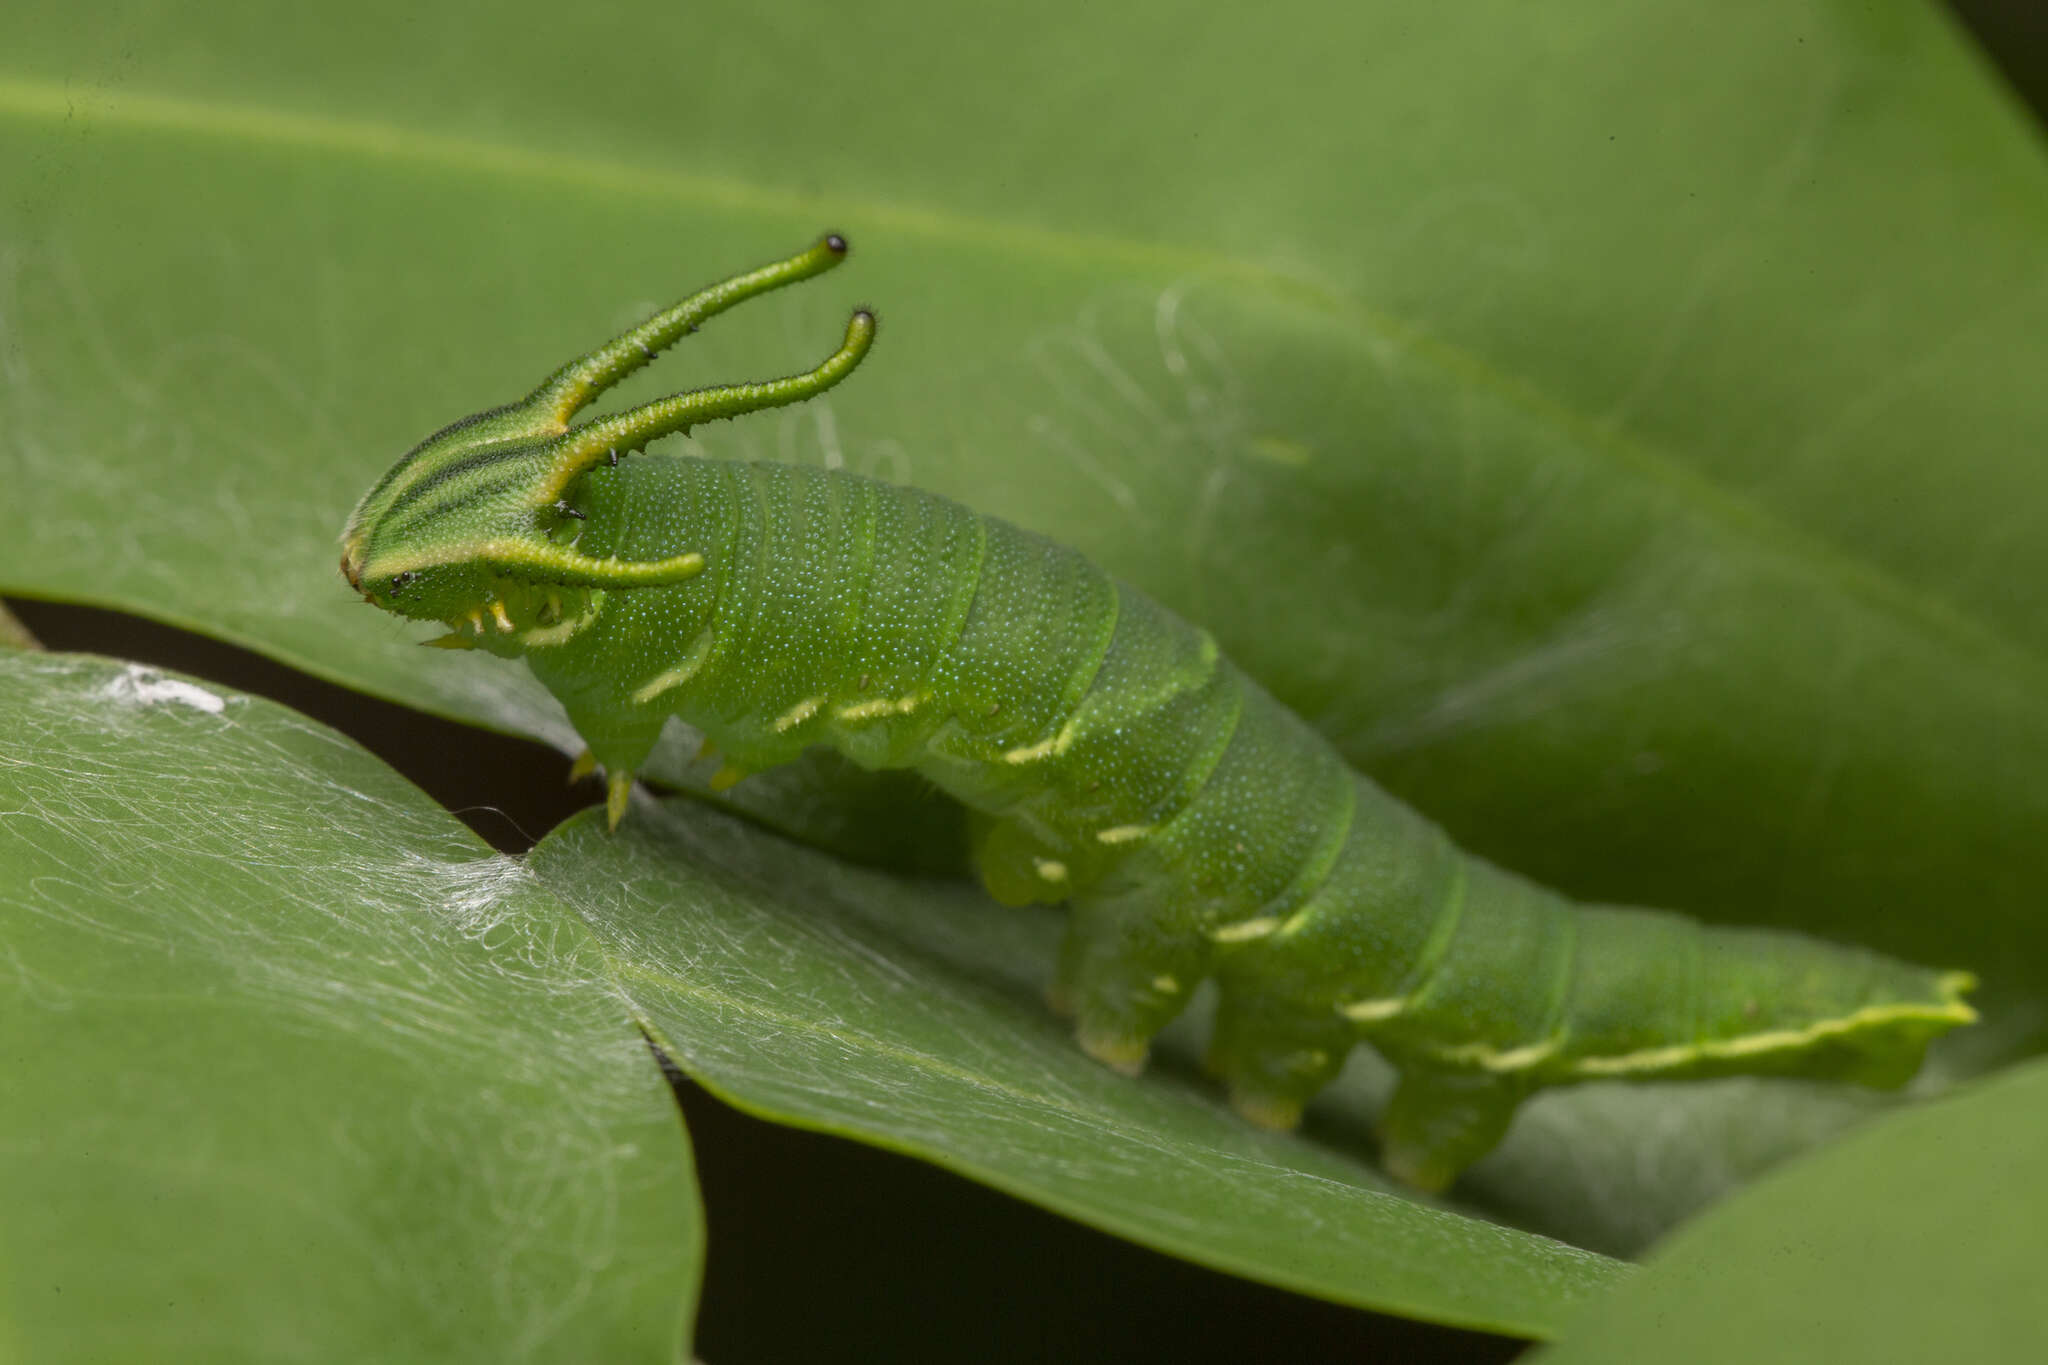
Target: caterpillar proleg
(1112,759)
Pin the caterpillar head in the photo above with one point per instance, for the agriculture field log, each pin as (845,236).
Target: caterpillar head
(481,513)
(462,520)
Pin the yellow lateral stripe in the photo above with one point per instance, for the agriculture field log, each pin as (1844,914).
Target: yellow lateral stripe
(541,637)
(545,637)
(880,706)
(662,682)
(1496,1059)
(1123,834)
(699,651)
(1520,1058)
(1051,869)
(1031,753)
(1777,1040)
(1245,930)
(1372,1011)
(798,714)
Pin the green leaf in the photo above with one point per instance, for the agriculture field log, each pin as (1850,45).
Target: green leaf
(296,1069)
(908,1014)
(1923,1237)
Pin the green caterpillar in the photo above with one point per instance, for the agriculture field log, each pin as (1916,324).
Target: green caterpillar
(1113,758)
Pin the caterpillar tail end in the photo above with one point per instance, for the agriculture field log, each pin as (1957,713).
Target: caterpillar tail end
(1883,1046)
(618,790)
(584,766)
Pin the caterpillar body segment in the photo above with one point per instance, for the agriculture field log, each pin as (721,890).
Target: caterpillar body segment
(1114,760)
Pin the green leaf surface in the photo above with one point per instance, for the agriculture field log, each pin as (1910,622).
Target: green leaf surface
(296,1068)
(1924,1237)
(908,1014)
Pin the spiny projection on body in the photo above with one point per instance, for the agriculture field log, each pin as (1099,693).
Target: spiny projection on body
(1112,758)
